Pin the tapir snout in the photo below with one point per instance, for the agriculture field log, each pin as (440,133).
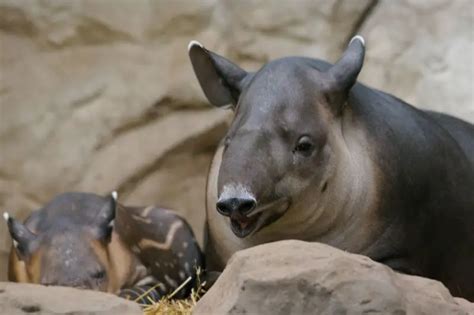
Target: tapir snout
(241,205)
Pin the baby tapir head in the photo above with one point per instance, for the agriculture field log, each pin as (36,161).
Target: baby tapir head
(56,247)
(279,148)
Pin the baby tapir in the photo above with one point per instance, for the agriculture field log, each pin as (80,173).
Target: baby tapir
(88,241)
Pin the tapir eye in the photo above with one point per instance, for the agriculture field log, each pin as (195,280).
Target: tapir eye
(304,146)
(99,275)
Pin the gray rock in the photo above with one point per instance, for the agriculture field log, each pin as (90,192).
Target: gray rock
(16,298)
(295,277)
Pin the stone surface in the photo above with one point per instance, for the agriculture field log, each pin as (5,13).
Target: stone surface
(422,51)
(295,277)
(16,299)
(100,95)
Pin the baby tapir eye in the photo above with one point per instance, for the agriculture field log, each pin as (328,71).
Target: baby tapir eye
(99,275)
(304,146)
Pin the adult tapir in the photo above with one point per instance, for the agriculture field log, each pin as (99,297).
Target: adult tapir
(88,241)
(312,154)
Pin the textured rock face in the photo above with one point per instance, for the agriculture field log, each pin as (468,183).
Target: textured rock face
(100,95)
(16,299)
(294,277)
(422,52)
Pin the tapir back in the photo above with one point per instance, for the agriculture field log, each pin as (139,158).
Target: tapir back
(164,244)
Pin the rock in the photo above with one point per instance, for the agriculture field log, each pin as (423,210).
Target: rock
(422,52)
(4,256)
(295,277)
(259,31)
(19,298)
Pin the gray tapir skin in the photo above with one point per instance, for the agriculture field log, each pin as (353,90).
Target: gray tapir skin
(313,155)
(92,242)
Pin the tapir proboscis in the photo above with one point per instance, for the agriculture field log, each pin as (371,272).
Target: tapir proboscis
(87,241)
(313,155)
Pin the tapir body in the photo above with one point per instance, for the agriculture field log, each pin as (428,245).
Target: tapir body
(312,154)
(88,241)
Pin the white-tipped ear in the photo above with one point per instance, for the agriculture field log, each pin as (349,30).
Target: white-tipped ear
(221,80)
(23,239)
(194,43)
(115,195)
(358,37)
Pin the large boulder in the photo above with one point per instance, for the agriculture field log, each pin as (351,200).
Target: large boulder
(295,277)
(21,299)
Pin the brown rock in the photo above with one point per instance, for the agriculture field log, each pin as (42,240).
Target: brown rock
(16,298)
(295,277)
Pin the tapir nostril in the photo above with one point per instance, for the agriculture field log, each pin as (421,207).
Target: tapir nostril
(247,205)
(224,207)
(229,205)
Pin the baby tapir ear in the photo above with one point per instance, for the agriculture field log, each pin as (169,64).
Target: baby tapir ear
(343,75)
(220,79)
(104,220)
(23,238)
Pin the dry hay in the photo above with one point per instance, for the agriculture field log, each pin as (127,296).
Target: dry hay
(169,306)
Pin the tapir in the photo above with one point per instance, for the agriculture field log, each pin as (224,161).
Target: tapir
(312,154)
(88,241)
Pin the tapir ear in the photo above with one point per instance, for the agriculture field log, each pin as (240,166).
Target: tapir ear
(343,75)
(104,221)
(23,238)
(220,79)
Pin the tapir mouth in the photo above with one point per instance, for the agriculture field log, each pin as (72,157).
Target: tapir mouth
(243,226)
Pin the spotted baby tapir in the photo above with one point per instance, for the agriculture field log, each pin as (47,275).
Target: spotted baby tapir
(92,242)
